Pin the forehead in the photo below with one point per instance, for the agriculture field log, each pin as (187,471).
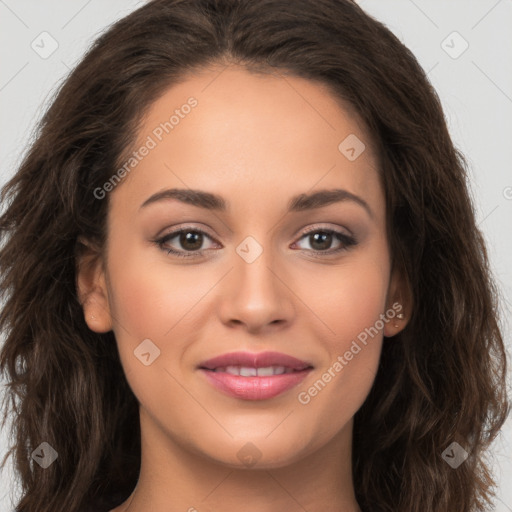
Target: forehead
(244,135)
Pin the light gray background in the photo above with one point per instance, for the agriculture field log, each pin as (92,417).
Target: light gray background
(475,88)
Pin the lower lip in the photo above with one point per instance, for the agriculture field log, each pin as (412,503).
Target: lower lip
(254,388)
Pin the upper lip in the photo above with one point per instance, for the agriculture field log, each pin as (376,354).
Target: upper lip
(254,360)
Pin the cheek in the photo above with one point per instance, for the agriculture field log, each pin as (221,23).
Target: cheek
(148,303)
(151,299)
(352,312)
(360,304)
(148,297)
(348,298)
(136,306)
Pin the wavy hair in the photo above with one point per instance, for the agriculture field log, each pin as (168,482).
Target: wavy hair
(442,379)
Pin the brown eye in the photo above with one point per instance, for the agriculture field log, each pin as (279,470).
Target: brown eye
(190,240)
(320,240)
(187,242)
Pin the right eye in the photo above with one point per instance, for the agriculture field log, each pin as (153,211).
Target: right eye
(191,240)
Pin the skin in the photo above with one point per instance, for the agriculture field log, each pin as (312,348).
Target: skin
(256,140)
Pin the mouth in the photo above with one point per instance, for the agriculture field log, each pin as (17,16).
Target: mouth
(259,376)
(247,371)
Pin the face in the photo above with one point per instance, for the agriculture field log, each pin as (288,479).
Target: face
(267,274)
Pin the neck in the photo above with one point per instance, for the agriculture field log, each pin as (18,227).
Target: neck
(175,479)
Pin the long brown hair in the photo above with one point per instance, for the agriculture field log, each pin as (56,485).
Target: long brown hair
(441,380)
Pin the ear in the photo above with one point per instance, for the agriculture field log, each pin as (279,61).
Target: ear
(399,303)
(91,286)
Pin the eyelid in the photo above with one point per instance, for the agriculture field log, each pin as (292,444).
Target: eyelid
(315,227)
(300,232)
(176,229)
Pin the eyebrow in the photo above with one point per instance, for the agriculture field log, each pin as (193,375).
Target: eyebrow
(299,203)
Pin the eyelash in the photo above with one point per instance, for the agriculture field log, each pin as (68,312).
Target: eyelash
(346,240)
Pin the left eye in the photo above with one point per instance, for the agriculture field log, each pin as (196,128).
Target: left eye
(323,239)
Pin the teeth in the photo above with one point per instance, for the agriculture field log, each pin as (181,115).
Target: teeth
(248,372)
(266,372)
(278,370)
(244,371)
(232,370)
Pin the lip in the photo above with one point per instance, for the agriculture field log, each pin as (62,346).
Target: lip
(254,388)
(255,360)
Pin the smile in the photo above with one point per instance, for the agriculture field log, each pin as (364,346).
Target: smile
(258,376)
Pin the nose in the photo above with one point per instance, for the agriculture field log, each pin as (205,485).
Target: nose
(256,295)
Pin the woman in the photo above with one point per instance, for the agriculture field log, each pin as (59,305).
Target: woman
(328,341)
